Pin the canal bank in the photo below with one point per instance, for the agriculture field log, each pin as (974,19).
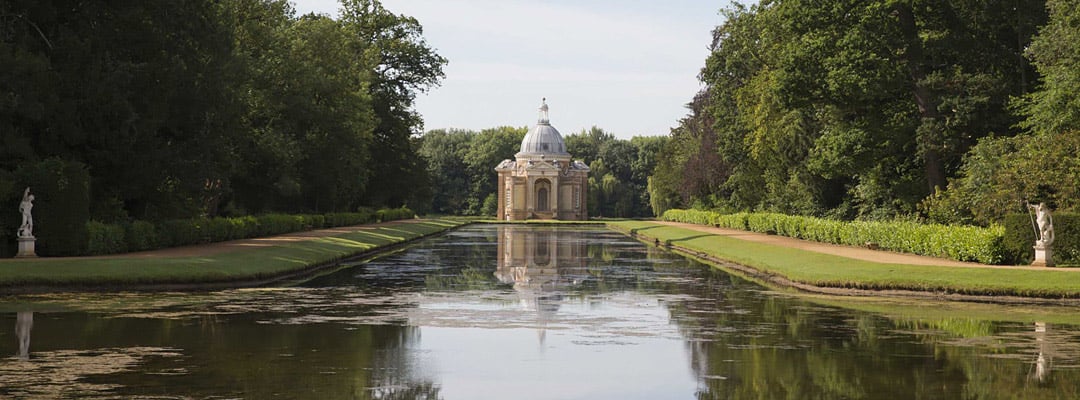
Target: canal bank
(239,263)
(858,272)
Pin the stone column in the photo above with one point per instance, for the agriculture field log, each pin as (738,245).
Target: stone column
(500,212)
(553,197)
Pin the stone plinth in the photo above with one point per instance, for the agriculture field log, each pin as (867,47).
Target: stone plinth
(26,247)
(1044,255)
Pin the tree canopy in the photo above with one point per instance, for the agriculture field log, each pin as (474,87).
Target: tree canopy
(193,107)
(860,109)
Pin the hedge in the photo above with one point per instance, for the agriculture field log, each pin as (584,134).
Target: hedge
(144,235)
(962,243)
(1020,237)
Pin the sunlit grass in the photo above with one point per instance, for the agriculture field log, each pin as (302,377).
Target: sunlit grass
(252,263)
(839,272)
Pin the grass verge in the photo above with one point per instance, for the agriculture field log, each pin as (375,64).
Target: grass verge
(829,271)
(256,263)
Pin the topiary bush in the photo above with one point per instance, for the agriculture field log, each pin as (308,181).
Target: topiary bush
(962,243)
(1020,238)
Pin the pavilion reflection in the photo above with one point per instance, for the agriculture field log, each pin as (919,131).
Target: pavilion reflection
(541,264)
(540,260)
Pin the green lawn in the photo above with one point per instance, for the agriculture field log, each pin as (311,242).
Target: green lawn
(834,271)
(252,264)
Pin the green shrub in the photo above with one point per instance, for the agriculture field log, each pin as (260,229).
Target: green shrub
(1020,238)
(347,219)
(140,236)
(144,235)
(180,232)
(392,214)
(962,243)
(105,238)
(273,224)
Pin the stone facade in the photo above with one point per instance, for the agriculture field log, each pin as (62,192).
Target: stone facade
(542,182)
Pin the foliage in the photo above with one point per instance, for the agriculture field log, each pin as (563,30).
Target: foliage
(1020,238)
(826,270)
(393,214)
(1000,175)
(962,243)
(104,239)
(1055,106)
(402,65)
(850,109)
(619,171)
(203,108)
(143,235)
(489,147)
(61,205)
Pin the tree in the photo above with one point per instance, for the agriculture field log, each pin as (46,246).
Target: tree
(1000,174)
(1055,106)
(488,149)
(850,108)
(403,66)
(445,152)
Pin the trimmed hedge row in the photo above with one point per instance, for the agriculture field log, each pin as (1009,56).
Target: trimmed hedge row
(962,243)
(1020,237)
(143,235)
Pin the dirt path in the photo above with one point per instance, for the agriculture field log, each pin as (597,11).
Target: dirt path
(209,249)
(857,253)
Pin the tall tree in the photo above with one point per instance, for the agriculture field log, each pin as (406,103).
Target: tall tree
(445,152)
(404,65)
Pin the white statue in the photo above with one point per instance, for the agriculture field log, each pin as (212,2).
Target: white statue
(27,204)
(1045,224)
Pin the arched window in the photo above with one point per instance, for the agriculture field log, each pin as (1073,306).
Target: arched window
(542,199)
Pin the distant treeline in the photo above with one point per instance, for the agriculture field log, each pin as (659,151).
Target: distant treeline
(189,108)
(953,111)
(462,163)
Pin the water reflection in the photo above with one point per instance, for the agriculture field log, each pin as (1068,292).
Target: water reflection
(24,323)
(458,317)
(1042,365)
(539,264)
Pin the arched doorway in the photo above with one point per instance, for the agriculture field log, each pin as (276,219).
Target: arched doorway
(543,195)
(542,199)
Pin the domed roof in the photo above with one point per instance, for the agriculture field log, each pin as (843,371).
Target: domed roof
(543,139)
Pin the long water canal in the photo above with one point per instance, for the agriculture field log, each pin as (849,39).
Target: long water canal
(527,312)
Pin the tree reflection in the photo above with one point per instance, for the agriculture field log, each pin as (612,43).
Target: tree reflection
(751,344)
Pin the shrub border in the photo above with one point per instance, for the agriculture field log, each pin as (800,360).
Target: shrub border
(961,243)
(105,239)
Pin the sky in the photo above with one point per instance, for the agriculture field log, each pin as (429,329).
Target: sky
(626,66)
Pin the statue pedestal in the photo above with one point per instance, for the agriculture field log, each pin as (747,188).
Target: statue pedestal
(26,247)
(1044,256)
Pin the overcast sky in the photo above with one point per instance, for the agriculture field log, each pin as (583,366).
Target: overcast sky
(627,66)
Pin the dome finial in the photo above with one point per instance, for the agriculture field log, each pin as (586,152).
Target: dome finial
(544,119)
